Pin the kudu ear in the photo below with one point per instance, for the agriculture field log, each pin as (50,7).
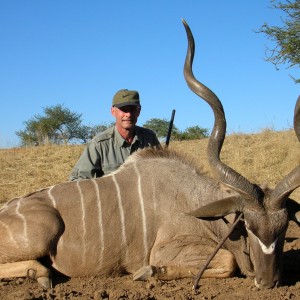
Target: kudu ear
(219,208)
(293,209)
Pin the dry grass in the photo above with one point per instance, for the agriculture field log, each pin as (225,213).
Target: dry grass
(23,170)
(262,158)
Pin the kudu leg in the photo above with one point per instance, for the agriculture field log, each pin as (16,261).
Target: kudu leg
(30,268)
(182,258)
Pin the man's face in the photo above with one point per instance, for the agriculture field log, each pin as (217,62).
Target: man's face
(126,116)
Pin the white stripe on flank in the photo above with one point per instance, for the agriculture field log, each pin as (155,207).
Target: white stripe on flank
(121,212)
(25,235)
(51,196)
(153,195)
(100,221)
(61,239)
(83,219)
(142,205)
(9,233)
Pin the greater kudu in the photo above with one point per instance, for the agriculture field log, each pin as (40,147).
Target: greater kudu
(141,219)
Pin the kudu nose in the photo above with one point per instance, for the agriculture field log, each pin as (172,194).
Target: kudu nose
(262,284)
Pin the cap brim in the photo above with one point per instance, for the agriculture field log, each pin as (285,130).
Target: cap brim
(126,104)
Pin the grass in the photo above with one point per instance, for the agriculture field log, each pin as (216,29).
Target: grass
(264,157)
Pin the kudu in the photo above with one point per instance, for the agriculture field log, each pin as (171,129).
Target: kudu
(141,219)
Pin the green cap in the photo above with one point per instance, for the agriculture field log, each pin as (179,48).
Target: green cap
(126,97)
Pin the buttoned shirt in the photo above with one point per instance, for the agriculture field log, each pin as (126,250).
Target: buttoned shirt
(108,150)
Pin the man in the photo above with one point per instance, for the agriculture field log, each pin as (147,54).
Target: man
(108,150)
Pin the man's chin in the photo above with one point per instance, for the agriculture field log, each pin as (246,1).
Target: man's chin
(128,125)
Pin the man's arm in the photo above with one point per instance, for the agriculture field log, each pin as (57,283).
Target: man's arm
(88,165)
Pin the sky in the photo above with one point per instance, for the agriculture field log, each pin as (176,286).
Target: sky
(79,53)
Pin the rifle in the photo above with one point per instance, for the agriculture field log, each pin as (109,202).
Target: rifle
(170,128)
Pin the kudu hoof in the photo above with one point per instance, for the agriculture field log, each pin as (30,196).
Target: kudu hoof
(144,273)
(45,282)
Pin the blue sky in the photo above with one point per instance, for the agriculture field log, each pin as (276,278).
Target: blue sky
(79,53)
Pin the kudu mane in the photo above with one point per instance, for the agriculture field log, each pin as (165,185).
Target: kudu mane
(165,154)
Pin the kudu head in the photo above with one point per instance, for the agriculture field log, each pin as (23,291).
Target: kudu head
(266,212)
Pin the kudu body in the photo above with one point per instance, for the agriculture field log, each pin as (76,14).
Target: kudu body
(144,218)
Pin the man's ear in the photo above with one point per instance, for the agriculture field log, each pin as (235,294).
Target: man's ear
(113,111)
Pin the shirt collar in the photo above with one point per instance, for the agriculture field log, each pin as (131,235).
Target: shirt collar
(120,141)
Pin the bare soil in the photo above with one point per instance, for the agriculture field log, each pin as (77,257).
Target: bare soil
(124,287)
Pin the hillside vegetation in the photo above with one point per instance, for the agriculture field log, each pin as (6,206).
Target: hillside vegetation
(262,158)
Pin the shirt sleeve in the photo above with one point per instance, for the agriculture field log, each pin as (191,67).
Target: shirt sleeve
(151,139)
(88,165)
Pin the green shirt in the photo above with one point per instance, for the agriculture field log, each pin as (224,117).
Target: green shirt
(108,150)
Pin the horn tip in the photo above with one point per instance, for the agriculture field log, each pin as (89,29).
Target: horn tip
(184,22)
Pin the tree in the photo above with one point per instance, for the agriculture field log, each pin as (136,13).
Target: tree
(161,127)
(287,37)
(58,125)
(193,133)
(88,132)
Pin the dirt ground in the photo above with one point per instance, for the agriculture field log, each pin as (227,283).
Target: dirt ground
(125,288)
